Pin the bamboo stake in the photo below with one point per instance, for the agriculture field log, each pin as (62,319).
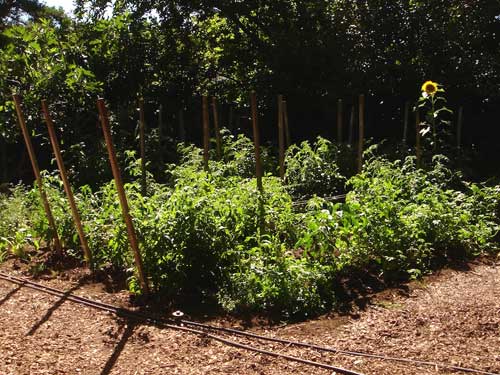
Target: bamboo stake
(206,131)
(351,126)
(281,137)
(256,139)
(160,135)
(142,142)
(340,116)
(182,131)
(103,114)
(287,128)
(36,171)
(4,161)
(216,127)
(459,127)
(231,118)
(405,121)
(361,131)
(418,137)
(67,187)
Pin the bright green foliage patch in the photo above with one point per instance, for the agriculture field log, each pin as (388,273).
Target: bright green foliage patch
(314,169)
(212,235)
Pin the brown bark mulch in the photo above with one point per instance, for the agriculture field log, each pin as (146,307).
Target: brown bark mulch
(452,317)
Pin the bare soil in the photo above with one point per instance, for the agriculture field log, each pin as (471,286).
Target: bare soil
(451,317)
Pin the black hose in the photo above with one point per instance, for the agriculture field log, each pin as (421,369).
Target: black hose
(174,324)
(161,323)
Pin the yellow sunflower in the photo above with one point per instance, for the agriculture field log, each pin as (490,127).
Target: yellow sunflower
(430,87)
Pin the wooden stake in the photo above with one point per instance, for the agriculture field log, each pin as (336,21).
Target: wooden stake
(216,127)
(256,139)
(103,114)
(160,135)
(287,128)
(405,121)
(459,127)
(142,141)
(351,126)
(182,131)
(206,131)
(67,186)
(231,118)
(281,137)
(361,131)
(36,171)
(340,117)
(418,137)
(4,161)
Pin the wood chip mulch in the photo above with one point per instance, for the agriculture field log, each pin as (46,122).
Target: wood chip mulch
(452,317)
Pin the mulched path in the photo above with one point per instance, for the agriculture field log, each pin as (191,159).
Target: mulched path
(452,317)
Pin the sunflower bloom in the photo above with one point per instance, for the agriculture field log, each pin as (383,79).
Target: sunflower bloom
(430,88)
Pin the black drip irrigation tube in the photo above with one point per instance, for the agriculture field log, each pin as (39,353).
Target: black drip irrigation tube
(201,329)
(167,323)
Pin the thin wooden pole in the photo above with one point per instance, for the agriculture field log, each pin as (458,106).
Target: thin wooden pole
(361,131)
(67,187)
(459,127)
(405,121)
(256,139)
(36,171)
(281,137)
(351,126)
(418,138)
(340,118)
(4,161)
(142,141)
(160,135)
(231,118)
(206,131)
(182,128)
(216,127)
(103,114)
(287,127)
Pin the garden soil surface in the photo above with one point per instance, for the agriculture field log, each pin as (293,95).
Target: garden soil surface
(452,317)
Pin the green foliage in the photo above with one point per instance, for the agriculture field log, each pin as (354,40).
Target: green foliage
(214,236)
(324,46)
(170,51)
(18,229)
(272,279)
(314,169)
(402,219)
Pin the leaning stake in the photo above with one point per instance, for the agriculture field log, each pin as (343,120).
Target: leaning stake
(216,127)
(405,121)
(340,117)
(142,140)
(36,171)
(182,128)
(351,126)
(361,131)
(103,114)
(285,122)
(281,137)
(67,186)
(160,135)
(206,131)
(256,140)
(459,127)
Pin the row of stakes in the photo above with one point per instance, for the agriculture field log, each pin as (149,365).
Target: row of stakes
(283,136)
